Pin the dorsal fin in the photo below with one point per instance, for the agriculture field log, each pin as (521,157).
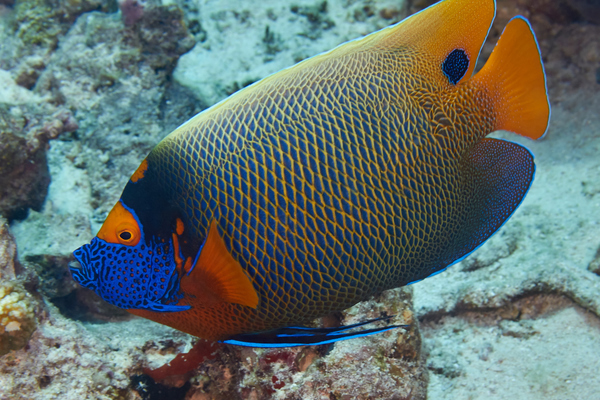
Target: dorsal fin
(436,31)
(217,276)
(444,27)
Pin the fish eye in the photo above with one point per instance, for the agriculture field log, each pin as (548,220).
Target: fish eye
(121,227)
(125,235)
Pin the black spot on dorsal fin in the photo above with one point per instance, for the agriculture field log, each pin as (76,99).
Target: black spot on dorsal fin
(456,65)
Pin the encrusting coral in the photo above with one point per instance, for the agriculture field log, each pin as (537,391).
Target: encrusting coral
(17,306)
(17,316)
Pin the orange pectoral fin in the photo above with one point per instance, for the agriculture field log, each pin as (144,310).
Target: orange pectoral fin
(217,272)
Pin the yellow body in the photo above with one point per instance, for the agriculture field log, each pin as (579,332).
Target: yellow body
(356,171)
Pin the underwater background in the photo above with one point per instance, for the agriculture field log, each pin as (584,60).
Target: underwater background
(88,87)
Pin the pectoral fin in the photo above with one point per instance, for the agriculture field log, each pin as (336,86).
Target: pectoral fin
(217,276)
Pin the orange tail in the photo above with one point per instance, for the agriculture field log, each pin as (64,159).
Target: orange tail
(515,80)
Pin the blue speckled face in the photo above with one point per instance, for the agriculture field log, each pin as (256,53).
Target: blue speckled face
(141,276)
(135,262)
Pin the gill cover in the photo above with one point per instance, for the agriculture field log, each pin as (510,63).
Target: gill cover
(143,258)
(121,227)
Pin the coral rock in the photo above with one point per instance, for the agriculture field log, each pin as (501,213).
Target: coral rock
(383,366)
(163,36)
(8,251)
(17,306)
(594,265)
(24,176)
(17,316)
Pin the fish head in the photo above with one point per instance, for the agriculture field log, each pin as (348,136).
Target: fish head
(136,261)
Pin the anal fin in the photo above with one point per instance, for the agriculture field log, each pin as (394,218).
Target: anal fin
(496,177)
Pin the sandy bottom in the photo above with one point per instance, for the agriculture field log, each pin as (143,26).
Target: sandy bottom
(546,247)
(555,357)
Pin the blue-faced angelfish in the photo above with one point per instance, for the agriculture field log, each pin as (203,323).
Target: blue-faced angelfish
(355,171)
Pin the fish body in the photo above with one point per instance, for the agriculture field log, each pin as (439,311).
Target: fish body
(359,170)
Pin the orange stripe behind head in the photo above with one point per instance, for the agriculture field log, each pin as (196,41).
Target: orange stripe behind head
(140,171)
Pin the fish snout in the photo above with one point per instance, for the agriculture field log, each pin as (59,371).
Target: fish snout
(82,268)
(75,265)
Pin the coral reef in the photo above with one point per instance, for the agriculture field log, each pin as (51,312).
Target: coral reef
(17,306)
(8,252)
(111,361)
(52,272)
(163,36)
(131,11)
(66,360)
(121,95)
(594,265)
(17,317)
(386,366)
(270,36)
(40,22)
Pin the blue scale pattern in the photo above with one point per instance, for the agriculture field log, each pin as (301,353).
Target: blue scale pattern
(130,277)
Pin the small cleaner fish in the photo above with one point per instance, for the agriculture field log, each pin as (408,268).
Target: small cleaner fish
(355,171)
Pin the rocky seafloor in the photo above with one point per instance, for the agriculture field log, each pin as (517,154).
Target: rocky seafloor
(88,87)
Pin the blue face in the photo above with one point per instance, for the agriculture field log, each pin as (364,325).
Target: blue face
(142,276)
(136,261)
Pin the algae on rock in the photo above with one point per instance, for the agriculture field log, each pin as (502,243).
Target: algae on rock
(40,22)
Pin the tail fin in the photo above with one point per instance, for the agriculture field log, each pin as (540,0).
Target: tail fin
(514,76)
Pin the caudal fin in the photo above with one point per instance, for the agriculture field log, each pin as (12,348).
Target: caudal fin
(515,79)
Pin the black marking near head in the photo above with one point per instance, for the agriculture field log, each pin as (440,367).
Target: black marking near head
(455,65)
(151,205)
(141,276)
(158,211)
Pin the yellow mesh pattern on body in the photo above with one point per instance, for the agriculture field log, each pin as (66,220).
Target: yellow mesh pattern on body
(329,183)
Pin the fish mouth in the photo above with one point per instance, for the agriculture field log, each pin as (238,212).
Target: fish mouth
(75,265)
(82,269)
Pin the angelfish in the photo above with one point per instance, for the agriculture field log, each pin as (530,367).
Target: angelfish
(355,171)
